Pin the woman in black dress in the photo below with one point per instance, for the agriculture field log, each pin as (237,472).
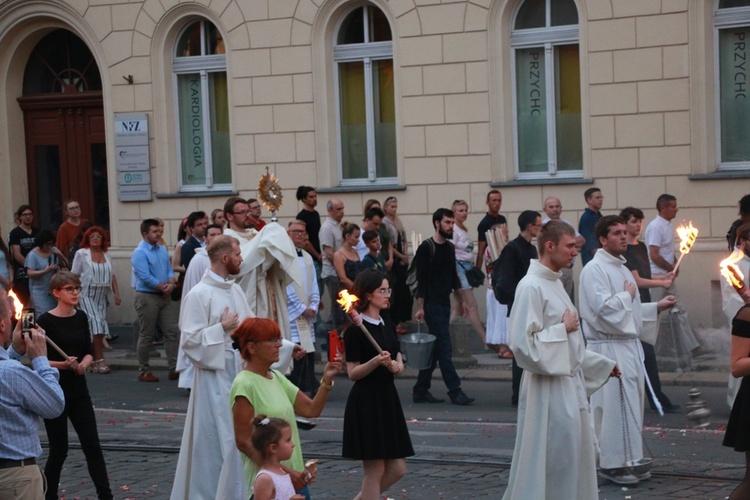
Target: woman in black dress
(68,327)
(374,426)
(738,428)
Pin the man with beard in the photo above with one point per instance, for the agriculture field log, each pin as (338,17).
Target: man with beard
(437,278)
(614,320)
(209,465)
(194,274)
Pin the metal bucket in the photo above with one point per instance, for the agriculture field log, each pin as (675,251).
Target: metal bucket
(417,347)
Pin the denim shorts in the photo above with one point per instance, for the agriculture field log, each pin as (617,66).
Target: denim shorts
(462,266)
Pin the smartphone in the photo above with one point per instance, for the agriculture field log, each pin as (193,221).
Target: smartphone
(28,320)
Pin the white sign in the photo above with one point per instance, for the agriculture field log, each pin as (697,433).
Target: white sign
(132,157)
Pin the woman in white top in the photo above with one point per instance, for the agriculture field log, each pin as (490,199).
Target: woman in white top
(98,289)
(465,304)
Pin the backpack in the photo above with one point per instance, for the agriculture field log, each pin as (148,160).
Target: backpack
(411,274)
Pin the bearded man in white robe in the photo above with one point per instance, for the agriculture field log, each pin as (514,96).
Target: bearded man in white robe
(613,321)
(193,275)
(209,465)
(554,455)
(267,267)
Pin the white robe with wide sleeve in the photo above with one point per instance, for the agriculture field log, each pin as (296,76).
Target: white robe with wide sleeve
(267,268)
(193,275)
(209,465)
(731,303)
(554,455)
(613,323)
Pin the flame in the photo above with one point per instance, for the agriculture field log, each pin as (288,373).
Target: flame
(731,271)
(687,235)
(17,304)
(346,300)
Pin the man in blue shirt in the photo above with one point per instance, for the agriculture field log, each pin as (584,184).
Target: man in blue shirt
(25,395)
(154,283)
(590,217)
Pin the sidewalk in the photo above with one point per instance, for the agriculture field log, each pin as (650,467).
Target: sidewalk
(710,370)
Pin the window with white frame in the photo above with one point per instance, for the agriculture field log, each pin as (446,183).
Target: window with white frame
(366,115)
(547,90)
(200,79)
(732,27)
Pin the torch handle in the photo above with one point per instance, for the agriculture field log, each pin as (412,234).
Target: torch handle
(369,337)
(57,348)
(674,269)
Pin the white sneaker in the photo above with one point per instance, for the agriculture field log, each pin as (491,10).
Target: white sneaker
(618,476)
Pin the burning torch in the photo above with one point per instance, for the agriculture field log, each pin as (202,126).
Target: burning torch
(346,300)
(688,235)
(733,275)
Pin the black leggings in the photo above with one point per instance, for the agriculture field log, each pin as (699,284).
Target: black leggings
(81,413)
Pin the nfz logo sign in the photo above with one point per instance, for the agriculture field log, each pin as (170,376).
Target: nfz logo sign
(133,126)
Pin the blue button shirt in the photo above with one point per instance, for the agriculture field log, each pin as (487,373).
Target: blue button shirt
(26,395)
(151,266)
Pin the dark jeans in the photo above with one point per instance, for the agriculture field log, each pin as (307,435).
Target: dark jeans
(437,318)
(81,414)
(338,317)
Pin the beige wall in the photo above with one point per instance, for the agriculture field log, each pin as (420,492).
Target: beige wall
(646,103)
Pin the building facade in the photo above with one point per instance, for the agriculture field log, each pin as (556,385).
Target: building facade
(142,108)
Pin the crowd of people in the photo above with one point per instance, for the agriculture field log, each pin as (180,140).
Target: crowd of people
(238,303)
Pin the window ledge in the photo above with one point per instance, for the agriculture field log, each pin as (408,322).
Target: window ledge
(541,182)
(197,194)
(735,174)
(357,189)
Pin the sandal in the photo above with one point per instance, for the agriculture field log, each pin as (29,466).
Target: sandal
(100,366)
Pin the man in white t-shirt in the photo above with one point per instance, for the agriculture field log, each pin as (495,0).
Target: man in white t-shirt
(674,328)
(330,241)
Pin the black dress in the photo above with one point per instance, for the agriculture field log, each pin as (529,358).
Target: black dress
(374,423)
(738,429)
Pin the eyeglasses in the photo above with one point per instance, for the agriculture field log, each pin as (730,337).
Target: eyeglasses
(276,341)
(74,208)
(385,291)
(243,212)
(27,214)
(298,231)
(71,289)
(95,237)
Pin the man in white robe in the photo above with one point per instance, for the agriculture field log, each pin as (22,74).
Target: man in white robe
(613,321)
(731,301)
(209,465)
(267,267)
(193,275)
(554,456)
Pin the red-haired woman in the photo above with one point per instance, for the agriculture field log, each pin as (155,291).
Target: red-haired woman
(93,265)
(259,389)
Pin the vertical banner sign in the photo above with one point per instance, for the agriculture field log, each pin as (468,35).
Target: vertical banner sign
(734,51)
(132,158)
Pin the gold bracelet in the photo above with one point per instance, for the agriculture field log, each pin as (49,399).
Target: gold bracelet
(327,386)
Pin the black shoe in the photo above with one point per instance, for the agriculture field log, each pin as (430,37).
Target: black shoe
(461,399)
(426,398)
(671,409)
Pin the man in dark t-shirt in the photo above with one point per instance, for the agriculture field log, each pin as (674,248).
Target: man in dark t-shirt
(309,197)
(490,220)
(20,242)
(436,279)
